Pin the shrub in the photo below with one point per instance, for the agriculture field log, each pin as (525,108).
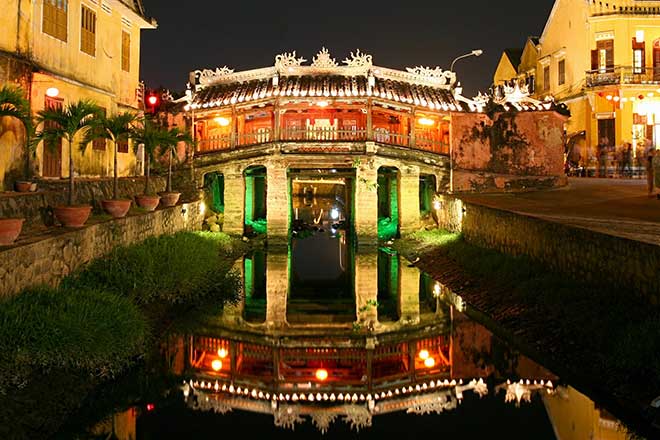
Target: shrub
(174,269)
(84,330)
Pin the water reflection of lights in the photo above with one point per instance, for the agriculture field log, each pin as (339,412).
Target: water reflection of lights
(522,390)
(321,374)
(334,213)
(429,362)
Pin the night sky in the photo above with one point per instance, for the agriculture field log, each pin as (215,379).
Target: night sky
(244,35)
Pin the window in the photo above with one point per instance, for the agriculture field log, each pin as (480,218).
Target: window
(639,61)
(531,83)
(99,144)
(122,146)
(88,31)
(546,78)
(55,18)
(561,69)
(602,59)
(125,51)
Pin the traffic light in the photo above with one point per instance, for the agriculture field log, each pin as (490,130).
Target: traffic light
(152,102)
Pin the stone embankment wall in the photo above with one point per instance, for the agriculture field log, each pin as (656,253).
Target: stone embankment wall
(36,207)
(48,260)
(511,151)
(580,253)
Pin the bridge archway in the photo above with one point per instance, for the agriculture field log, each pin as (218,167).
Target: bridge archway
(256,199)
(214,191)
(388,202)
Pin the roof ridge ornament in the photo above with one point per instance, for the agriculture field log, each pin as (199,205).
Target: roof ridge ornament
(359,59)
(209,76)
(446,77)
(287,59)
(323,59)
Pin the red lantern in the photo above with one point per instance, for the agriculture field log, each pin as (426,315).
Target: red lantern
(640,97)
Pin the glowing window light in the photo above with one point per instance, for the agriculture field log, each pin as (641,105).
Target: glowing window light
(334,213)
(221,121)
(424,354)
(321,374)
(216,365)
(52,92)
(429,362)
(426,121)
(222,352)
(322,103)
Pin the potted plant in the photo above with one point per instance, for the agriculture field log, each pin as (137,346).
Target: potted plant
(69,123)
(115,128)
(169,143)
(150,135)
(14,104)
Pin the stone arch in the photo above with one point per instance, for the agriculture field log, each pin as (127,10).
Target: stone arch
(428,186)
(389,202)
(256,199)
(213,184)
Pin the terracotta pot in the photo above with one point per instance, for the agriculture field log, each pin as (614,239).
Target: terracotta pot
(147,202)
(24,186)
(168,199)
(10,229)
(72,216)
(117,208)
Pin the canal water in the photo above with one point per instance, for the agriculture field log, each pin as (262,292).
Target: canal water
(329,340)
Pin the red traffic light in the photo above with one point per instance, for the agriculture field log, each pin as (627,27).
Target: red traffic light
(152,100)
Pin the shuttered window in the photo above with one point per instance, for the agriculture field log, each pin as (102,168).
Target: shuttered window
(88,31)
(561,72)
(125,51)
(546,78)
(55,18)
(605,50)
(639,56)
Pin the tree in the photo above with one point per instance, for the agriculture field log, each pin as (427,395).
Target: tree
(115,129)
(170,141)
(150,134)
(13,104)
(69,123)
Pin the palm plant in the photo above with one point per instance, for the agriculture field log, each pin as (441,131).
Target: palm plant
(69,123)
(170,141)
(150,135)
(14,104)
(115,129)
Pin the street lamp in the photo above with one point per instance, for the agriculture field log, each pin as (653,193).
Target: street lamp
(476,53)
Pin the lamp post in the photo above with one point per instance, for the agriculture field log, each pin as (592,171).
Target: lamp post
(476,53)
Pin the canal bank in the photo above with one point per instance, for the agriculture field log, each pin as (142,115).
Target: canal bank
(588,334)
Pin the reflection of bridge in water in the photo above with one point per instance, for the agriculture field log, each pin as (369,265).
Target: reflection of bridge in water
(418,353)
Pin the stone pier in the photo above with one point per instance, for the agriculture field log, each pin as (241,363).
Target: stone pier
(277,289)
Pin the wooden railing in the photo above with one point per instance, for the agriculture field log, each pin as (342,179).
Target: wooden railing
(422,141)
(623,75)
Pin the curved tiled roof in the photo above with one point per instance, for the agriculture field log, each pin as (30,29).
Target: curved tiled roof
(330,86)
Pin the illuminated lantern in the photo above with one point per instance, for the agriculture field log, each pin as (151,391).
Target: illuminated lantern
(216,365)
(424,355)
(321,374)
(222,352)
(429,362)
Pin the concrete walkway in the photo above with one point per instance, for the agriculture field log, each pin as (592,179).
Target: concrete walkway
(617,207)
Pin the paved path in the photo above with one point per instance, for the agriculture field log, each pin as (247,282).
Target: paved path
(612,206)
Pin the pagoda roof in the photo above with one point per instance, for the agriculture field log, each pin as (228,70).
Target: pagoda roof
(327,86)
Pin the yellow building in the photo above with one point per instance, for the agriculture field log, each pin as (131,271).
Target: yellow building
(602,59)
(60,51)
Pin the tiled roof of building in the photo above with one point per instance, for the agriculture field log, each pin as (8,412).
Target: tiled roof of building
(330,86)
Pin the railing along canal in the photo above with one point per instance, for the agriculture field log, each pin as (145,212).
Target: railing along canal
(422,141)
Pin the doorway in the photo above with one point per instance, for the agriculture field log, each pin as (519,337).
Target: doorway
(52,158)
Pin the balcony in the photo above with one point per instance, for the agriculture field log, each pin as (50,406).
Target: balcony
(622,75)
(424,140)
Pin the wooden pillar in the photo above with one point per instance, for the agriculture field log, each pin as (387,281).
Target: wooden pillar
(412,121)
(276,121)
(277,289)
(277,211)
(234,127)
(370,128)
(234,218)
(409,199)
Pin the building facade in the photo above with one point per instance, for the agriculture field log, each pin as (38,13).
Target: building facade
(602,59)
(61,51)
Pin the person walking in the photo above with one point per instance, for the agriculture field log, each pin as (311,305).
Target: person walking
(649,153)
(602,157)
(627,160)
